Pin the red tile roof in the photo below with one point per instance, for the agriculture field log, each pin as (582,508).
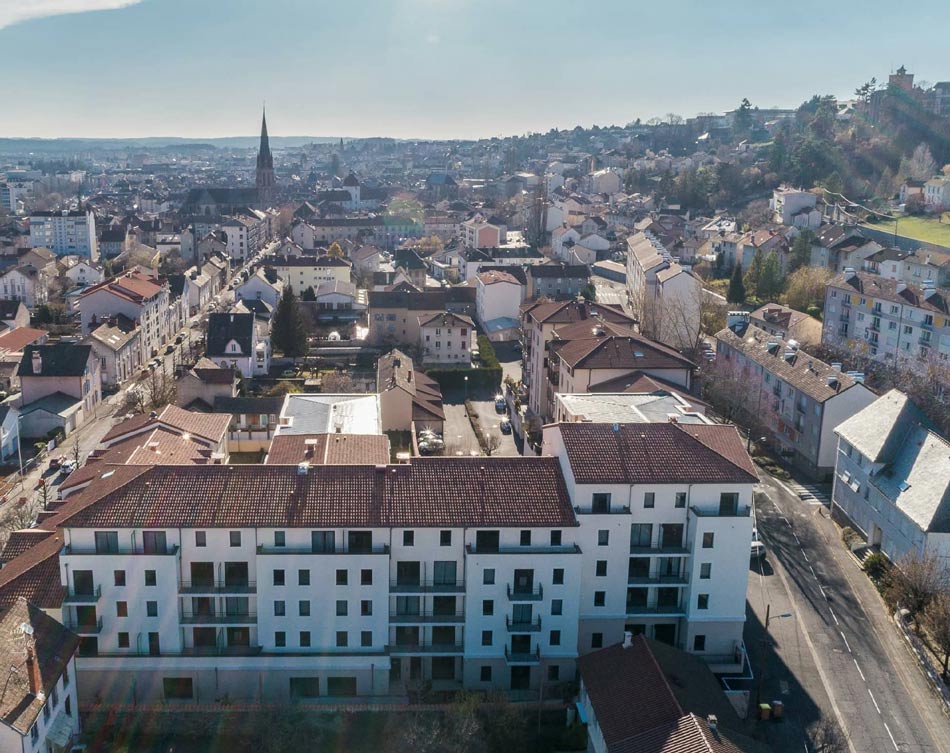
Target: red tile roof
(212,427)
(562,312)
(612,352)
(17,339)
(656,454)
(329,449)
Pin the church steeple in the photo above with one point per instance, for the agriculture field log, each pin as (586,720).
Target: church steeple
(266,179)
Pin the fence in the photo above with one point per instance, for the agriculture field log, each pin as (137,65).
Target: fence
(927,665)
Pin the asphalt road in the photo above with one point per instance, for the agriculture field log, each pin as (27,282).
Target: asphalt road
(839,626)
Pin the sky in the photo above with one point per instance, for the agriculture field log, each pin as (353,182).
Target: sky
(436,68)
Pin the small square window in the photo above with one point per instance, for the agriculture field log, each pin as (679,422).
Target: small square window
(118,577)
(304,639)
(554,672)
(201,538)
(699,643)
(280,639)
(123,640)
(342,639)
(341,608)
(555,638)
(280,538)
(708,538)
(557,606)
(303,608)
(705,570)
(600,598)
(702,601)
(235,537)
(303,577)
(526,538)
(445,538)
(150,579)
(366,608)
(603,538)
(555,538)
(485,673)
(488,607)
(151,608)
(486,637)
(366,577)
(280,608)
(601,570)
(596,640)
(408,538)
(122,609)
(649,500)
(278,577)
(680,499)
(558,576)
(366,638)
(341,577)
(488,577)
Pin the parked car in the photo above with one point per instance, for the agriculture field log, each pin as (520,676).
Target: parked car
(500,405)
(67,467)
(758,550)
(505,426)
(56,461)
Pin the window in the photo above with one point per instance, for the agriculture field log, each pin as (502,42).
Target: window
(680,500)
(280,538)
(303,608)
(154,542)
(702,601)
(68,706)
(705,570)
(555,538)
(201,538)
(280,608)
(488,577)
(341,577)
(35,731)
(485,673)
(708,538)
(279,577)
(558,576)
(649,499)
(304,639)
(445,538)
(596,640)
(342,639)
(486,637)
(366,638)
(601,569)
(366,577)
(118,577)
(554,673)
(599,598)
(151,608)
(408,538)
(728,503)
(303,577)
(525,538)
(366,608)
(600,502)
(322,541)
(107,542)
(150,579)
(556,606)
(121,609)
(280,639)
(235,538)
(641,534)
(123,640)
(341,608)
(699,643)
(555,638)
(488,607)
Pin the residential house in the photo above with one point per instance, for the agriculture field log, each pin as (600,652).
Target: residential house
(239,342)
(113,241)
(937,193)
(795,207)
(498,297)
(446,338)
(479,232)
(394,315)
(837,247)
(118,346)
(24,283)
(253,421)
(263,285)
(407,397)
(84,273)
(660,404)
(556,281)
(205,382)
(13,314)
(303,272)
(60,387)
(787,324)
(9,434)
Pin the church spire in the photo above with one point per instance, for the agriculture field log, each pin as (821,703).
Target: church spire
(266,180)
(264,158)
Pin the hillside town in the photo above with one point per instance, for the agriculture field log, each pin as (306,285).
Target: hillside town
(620,439)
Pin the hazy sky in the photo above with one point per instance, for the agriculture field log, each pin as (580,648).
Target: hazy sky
(436,68)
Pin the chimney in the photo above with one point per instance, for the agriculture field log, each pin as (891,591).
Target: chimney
(713,721)
(37,362)
(303,468)
(32,663)
(310,444)
(627,639)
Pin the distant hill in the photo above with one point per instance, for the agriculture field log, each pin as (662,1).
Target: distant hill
(154,142)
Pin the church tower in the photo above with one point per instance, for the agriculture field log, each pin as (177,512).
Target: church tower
(265,169)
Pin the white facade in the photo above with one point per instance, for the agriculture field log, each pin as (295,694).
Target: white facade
(65,233)
(497,295)
(446,339)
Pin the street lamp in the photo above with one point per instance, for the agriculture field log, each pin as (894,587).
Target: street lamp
(765,643)
(466,387)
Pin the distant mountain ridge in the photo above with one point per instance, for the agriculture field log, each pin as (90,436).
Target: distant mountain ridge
(155,142)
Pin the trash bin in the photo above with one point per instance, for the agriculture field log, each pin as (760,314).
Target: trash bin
(765,711)
(778,709)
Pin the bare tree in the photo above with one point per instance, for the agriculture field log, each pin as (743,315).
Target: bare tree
(937,624)
(21,515)
(338,382)
(490,442)
(826,736)
(915,582)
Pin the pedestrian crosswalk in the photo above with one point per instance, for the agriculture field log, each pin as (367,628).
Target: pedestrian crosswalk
(813,494)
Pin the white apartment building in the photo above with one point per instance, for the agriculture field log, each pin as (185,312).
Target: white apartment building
(479,232)
(302,272)
(139,297)
(65,233)
(446,338)
(792,206)
(937,192)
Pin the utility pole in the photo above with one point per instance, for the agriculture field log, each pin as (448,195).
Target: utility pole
(763,652)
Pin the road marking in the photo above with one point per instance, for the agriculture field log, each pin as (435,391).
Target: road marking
(859,670)
(797,541)
(805,556)
(833,615)
(893,741)
(786,521)
(874,701)
(813,573)
(846,644)
(823,592)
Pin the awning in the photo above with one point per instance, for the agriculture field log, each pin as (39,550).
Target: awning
(61,731)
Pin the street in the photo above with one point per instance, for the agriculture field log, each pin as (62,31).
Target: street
(834,648)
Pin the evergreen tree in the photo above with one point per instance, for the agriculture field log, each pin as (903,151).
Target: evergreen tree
(801,250)
(755,271)
(289,335)
(769,284)
(309,294)
(736,293)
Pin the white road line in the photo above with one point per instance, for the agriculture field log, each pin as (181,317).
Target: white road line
(796,539)
(874,701)
(833,615)
(813,573)
(893,741)
(846,644)
(805,556)
(859,670)
(786,521)
(823,592)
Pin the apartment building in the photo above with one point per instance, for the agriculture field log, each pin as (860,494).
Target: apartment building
(446,339)
(65,233)
(394,315)
(302,272)
(787,323)
(888,320)
(137,296)
(479,232)
(556,280)
(792,206)
(797,398)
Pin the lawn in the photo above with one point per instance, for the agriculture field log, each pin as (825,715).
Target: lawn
(928,229)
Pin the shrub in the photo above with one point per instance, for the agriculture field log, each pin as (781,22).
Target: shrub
(486,352)
(876,566)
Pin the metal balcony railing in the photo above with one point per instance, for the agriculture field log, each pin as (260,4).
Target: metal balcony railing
(123,550)
(522,657)
(375,549)
(532,626)
(84,628)
(81,597)
(534,593)
(420,586)
(217,587)
(426,617)
(216,618)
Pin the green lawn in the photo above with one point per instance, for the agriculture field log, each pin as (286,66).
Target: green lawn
(927,229)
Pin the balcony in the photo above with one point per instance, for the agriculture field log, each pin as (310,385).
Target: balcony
(378,549)
(610,511)
(128,550)
(925,340)
(522,657)
(540,549)
(84,628)
(405,649)
(216,587)
(534,626)
(535,593)
(212,618)
(656,610)
(737,512)
(425,618)
(74,597)
(665,551)
(426,587)
(659,580)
